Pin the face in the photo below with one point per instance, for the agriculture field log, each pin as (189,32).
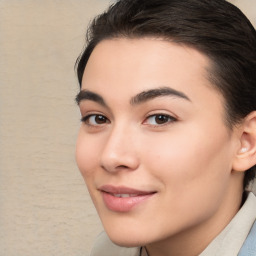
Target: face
(153,146)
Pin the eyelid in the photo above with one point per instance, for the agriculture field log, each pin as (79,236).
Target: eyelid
(86,117)
(161,112)
(172,119)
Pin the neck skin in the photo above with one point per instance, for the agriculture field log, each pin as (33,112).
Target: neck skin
(193,241)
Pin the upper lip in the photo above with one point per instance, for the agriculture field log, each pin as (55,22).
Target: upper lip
(123,190)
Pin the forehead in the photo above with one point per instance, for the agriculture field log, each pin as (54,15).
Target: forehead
(128,66)
(130,47)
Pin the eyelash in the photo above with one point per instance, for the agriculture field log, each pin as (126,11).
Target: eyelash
(86,118)
(166,119)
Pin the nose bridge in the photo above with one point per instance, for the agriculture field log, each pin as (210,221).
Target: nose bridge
(120,149)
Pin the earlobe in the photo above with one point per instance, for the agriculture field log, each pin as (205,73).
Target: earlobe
(246,155)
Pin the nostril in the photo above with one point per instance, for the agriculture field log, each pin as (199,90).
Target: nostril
(122,166)
(104,168)
(115,168)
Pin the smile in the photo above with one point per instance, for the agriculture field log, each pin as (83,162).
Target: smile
(123,199)
(125,195)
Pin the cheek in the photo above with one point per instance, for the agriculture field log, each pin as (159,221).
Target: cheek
(87,152)
(183,158)
(193,170)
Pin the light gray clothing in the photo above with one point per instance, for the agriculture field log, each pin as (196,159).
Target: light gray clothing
(229,242)
(231,239)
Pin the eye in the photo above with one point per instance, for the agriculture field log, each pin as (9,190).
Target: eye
(159,119)
(95,120)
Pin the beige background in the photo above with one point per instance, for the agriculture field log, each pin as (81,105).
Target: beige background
(44,205)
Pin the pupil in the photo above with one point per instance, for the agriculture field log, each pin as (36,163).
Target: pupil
(100,119)
(161,119)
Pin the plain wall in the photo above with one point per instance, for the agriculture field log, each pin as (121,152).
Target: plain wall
(45,208)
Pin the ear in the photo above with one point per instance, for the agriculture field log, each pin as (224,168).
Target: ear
(246,155)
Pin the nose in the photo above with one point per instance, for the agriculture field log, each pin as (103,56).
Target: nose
(119,152)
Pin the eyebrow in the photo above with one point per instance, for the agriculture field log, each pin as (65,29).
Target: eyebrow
(137,99)
(155,93)
(89,95)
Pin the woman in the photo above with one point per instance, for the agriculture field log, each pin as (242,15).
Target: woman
(167,144)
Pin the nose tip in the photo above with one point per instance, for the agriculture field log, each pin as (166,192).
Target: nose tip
(118,154)
(118,162)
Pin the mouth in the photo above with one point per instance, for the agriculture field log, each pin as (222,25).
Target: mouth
(123,199)
(125,195)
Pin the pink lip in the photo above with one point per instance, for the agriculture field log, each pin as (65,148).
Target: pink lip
(115,203)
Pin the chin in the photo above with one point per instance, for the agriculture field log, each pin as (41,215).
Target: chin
(124,240)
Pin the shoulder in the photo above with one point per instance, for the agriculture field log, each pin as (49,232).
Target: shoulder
(249,246)
(104,246)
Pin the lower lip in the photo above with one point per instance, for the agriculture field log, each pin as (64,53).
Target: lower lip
(123,204)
